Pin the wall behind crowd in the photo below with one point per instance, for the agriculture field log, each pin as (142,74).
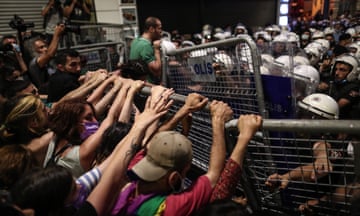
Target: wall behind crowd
(29,10)
(188,16)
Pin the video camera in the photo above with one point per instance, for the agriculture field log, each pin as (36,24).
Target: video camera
(19,24)
(71,27)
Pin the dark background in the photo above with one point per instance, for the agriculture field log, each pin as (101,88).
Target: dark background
(188,16)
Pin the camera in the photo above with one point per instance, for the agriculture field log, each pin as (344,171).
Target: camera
(8,49)
(19,24)
(71,28)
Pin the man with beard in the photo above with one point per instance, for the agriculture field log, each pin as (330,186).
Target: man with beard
(147,48)
(66,77)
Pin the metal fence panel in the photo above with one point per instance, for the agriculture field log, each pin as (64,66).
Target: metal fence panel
(230,71)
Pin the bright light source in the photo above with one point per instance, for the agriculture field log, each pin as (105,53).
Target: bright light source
(284,9)
(283,20)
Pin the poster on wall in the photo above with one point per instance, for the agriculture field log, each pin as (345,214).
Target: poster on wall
(128,2)
(129,15)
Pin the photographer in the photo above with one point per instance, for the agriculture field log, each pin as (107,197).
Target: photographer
(11,54)
(78,12)
(53,14)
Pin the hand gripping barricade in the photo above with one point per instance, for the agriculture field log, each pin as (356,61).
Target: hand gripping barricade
(244,91)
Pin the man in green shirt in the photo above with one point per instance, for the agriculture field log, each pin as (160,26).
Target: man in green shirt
(146,49)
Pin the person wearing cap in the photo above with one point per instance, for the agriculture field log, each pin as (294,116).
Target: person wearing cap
(156,185)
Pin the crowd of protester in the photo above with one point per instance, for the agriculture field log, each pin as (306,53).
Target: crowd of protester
(74,143)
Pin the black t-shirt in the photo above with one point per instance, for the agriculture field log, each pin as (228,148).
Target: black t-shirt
(60,84)
(347,90)
(78,12)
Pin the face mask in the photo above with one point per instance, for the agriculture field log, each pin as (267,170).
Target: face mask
(90,128)
(305,37)
(179,186)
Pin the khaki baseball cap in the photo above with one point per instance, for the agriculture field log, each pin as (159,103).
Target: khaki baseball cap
(168,150)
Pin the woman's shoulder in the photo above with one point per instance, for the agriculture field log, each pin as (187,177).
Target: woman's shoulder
(42,141)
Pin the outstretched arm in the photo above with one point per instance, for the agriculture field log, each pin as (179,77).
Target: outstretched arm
(114,177)
(231,174)
(84,89)
(308,172)
(220,113)
(46,57)
(158,93)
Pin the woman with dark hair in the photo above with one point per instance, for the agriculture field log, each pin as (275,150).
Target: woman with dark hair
(111,137)
(78,133)
(35,188)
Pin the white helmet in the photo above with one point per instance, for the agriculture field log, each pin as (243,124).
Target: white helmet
(187,43)
(354,48)
(329,31)
(218,30)
(315,45)
(320,104)
(297,60)
(351,31)
(219,36)
(166,35)
(276,28)
(283,60)
(317,35)
(357,29)
(308,75)
(267,59)
(262,34)
(264,70)
(301,60)
(224,60)
(241,27)
(167,46)
(281,38)
(350,60)
(293,38)
(325,44)
(313,54)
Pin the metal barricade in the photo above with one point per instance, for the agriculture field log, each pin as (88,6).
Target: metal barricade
(215,71)
(85,35)
(98,55)
(265,156)
(229,70)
